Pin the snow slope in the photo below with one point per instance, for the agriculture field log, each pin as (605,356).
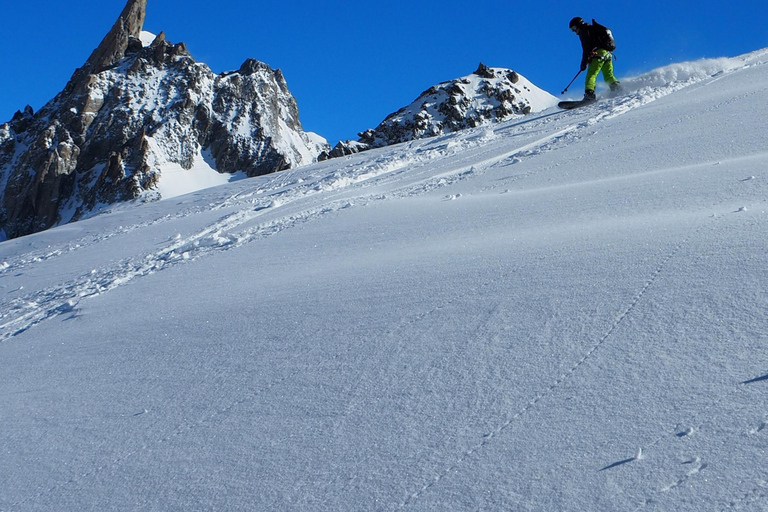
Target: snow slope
(563,313)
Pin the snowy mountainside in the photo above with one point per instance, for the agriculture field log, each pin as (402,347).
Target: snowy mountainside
(561,312)
(139,113)
(487,95)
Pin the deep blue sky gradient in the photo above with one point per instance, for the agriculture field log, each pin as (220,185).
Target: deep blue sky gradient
(350,64)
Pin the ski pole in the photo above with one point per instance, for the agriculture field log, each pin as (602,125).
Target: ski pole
(570,84)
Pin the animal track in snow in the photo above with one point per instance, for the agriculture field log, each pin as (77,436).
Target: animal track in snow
(489,436)
(759,428)
(757,493)
(697,466)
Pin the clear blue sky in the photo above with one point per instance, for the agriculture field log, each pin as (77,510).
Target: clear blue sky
(350,64)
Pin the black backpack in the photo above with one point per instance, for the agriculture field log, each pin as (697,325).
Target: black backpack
(604,36)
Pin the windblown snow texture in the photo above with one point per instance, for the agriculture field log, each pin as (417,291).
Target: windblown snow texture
(565,312)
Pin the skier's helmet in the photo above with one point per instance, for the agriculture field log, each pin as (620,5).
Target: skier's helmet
(575,23)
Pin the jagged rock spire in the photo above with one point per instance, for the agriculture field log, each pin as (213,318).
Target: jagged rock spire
(113,46)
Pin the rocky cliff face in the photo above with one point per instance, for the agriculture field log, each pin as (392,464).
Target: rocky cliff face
(130,111)
(489,94)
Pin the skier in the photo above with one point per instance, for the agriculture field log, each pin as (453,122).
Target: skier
(597,44)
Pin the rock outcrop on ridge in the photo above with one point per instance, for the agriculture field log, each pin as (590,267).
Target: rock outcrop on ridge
(487,95)
(133,109)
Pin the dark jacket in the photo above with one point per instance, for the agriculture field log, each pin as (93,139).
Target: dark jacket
(589,43)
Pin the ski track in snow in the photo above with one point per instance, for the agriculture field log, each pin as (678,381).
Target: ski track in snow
(25,312)
(479,149)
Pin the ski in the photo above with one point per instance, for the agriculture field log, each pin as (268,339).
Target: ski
(568,105)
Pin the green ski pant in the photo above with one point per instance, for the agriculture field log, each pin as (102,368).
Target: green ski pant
(603,62)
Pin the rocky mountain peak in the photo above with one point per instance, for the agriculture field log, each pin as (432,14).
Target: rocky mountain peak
(114,45)
(136,114)
(487,95)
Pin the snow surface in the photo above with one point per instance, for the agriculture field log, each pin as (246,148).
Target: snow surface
(147,38)
(563,313)
(176,181)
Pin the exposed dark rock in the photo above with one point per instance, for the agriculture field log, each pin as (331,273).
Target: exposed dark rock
(22,120)
(252,66)
(134,46)
(113,46)
(485,72)
(159,39)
